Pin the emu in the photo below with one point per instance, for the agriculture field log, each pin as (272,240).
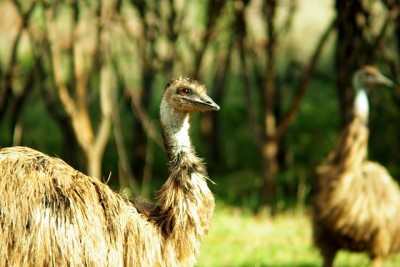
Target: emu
(356,204)
(53,215)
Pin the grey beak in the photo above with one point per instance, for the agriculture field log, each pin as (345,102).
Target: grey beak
(384,80)
(206,100)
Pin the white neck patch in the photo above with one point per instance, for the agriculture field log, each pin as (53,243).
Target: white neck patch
(361,103)
(176,126)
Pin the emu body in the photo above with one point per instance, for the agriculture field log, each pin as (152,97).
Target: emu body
(53,215)
(356,204)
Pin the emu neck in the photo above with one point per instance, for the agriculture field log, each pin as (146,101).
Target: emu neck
(186,203)
(175,126)
(361,104)
(351,149)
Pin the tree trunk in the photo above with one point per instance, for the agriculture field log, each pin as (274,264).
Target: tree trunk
(211,119)
(270,140)
(94,165)
(269,171)
(351,50)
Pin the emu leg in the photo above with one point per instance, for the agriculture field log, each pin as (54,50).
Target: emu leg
(325,245)
(376,261)
(329,256)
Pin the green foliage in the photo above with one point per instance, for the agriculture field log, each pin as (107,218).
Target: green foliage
(38,129)
(384,126)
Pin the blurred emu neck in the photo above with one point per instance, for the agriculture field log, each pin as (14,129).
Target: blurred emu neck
(361,104)
(175,128)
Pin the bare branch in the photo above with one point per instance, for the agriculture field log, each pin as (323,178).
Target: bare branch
(8,75)
(75,69)
(240,36)
(80,120)
(213,9)
(301,89)
(287,25)
(249,96)
(122,153)
(106,96)
(144,120)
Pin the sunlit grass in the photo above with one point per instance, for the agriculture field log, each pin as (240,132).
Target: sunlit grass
(242,239)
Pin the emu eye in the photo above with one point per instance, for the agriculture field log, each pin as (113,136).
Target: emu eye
(184,91)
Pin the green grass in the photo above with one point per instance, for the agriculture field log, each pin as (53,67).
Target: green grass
(241,239)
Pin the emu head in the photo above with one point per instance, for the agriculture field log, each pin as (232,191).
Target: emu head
(187,95)
(368,76)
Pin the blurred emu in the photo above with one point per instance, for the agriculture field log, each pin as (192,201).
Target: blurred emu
(53,215)
(356,204)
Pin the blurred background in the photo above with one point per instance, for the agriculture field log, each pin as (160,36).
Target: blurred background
(83,80)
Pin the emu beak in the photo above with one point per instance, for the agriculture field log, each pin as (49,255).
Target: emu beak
(203,102)
(381,79)
(207,101)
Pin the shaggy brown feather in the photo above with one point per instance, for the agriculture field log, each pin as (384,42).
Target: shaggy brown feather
(53,215)
(356,204)
(360,211)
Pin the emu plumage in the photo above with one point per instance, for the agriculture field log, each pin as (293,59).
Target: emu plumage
(53,215)
(356,204)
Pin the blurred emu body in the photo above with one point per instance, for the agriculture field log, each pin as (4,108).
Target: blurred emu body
(356,204)
(53,215)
